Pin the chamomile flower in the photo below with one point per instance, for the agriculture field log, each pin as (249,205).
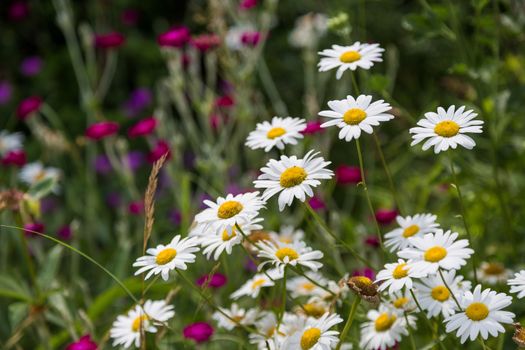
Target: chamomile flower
(10,142)
(355,115)
(409,226)
(127,328)
(253,286)
(277,133)
(35,172)
(316,335)
(397,275)
(493,273)
(237,316)
(517,284)
(282,254)
(401,302)
(226,212)
(293,177)
(350,57)
(301,286)
(437,250)
(383,329)
(287,234)
(481,314)
(267,326)
(447,129)
(165,258)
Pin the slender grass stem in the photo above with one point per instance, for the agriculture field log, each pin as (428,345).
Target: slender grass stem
(283,302)
(411,336)
(349,321)
(426,318)
(449,289)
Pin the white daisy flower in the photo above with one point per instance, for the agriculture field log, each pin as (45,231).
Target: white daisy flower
(353,115)
(316,335)
(240,315)
(350,57)
(226,212)
(401,302)
(493,273)
(293,177)
(301,286)
(253,286)
(282,254)
(397,275)
(287,234)
(35,172)
(481,314)
(10,141)
(517,284)
(409,226)
(383,330)
(125,330)
(446,129)
(277,133)
(434,296)
(437,250)
(165,258)
(267,325)
(313,308)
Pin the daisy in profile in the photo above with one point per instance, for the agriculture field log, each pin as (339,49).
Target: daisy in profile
(226,212)
(237,314)
(301,286)
(493,273)
(277,133)
(292,177)
(35,172)
(10,142)
(437,250)
(353,115)
(316,335)
(287,234)
(517,284)
(447,129)
(409,226)
(282,254)
(434,296)
(165,258)
(126,329)
(383,329)
(397,275)
(350,57)
(253,286)
(481,314)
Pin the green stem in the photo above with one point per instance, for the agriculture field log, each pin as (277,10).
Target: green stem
(449,289)
(349,320)
(411,336)
(426,318)
(283,302)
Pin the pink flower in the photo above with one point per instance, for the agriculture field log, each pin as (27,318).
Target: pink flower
(386,216)
(345,174)
(365,271)
(216,280)
(143,127)
(65,232)
(205,42)
(84,343)
(28,106)
(130,17)
(317,203)
(32,227)
(160,149)
(312,127)
(372,241)
(100,130)
(17,158)
(247,4)
(198,331)
(109,40)
(18,10)
(136,207)
(175,37)
(224,101)
(250,38)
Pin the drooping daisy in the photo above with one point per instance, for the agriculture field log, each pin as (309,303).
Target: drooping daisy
(437,250)
(282,254)
(126,329)
(35,172)
(10,142)
(253,286)
(397,275)
(316,335)
(277,133)
(287,234)
(383,330)
(226,212)
(293,177)
(493,273)
(237,314)
(165,258)
(434,296)
(481,314)
(355,115)
(447,128)
(517,284)
(301,286)
(350,57)
(409,226)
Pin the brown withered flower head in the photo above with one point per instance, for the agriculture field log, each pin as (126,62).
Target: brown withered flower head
(519,335)
(11,199)
(365,288)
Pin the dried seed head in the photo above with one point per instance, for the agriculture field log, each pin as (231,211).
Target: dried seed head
(364,287)
(519,335)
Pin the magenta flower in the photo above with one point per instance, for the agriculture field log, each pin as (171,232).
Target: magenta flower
(136,207)
(65,233)
(5,92)
(175,37)
(205,42)
(100,130)
(18,10)
(372,241)
(312,127)
(17,158)
(224,101)
(109,40)
(386,216)
(250,38)
(143,127)
(216,280)
(138,100)
(160,149)
(134,160)
(102,164)
(32,227)
(28,106)
(84,343)
(317,203)
(346,174)
(247,4)
(365,271)
(198,331)
(31,66)
(130,17)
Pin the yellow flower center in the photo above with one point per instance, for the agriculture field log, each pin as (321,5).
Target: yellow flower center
(435,254)
(258,282)
(308,286)
(350,56)
(410,231)
(227,236)
(165,256)
(440,293)
(400,271)
(477,311)
(286,252)
(292,176)
(229,209)
(384,322)
(493,269)
(354,116)
(137,322)
(314,310)
(310,338)
(363,281)
(447,128)
(275,133)
(399,303)
(41,175)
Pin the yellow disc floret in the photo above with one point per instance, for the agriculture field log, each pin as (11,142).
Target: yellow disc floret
(350,56)
(410,231)
(286,252)
(292,176)
(440,293)
(227,236)
(477,311)
(137,322)
(400,271)
(447,128)
(310,338)
(435,254)
(229,209)
(165,256)
(384,322)
(275,133)
(354,116)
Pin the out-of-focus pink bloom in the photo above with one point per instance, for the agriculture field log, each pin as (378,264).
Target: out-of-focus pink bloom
(31,66)
(28,106)
(175,217)
(48,205)
(5,92)
(205,42)
(130,17)
(18,10)
(161,148)
(102,164)
(113,199)
(100,130)
(224,101)
(372,241)
(136,207)
(109,40)
(215,121)
(247,4)
(346,174)
(365,271)
(65,232)
(386,216)
(32,227)
(138,100)
(317,203)
(250,38)
(216,280)
(175,37)
(134,160)
(17,158)
(143,127)
(312,127)
(249,265)
(198,331)
(84,343)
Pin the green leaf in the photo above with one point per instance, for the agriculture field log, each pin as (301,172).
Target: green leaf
(49,270)
(11,288)
(42,188)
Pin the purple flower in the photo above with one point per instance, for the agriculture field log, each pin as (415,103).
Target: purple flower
(345,174)
(18,11)
(109,40)
(48,204)
(28,106)
(317,203)
(31,66)
(216,280)
(386,216)
(372,241)
(130,17)
(138,100)
(175,217)
(175,37)
(136,207)
(249,265)
(250,38)
(134,160)
(5,92)
(101,130)
(143,127)
(84,343)
(247,4)
(312,127)
(102,164)
(365,271)
(65,233)
(198,331)
(32,227)
(113,199)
